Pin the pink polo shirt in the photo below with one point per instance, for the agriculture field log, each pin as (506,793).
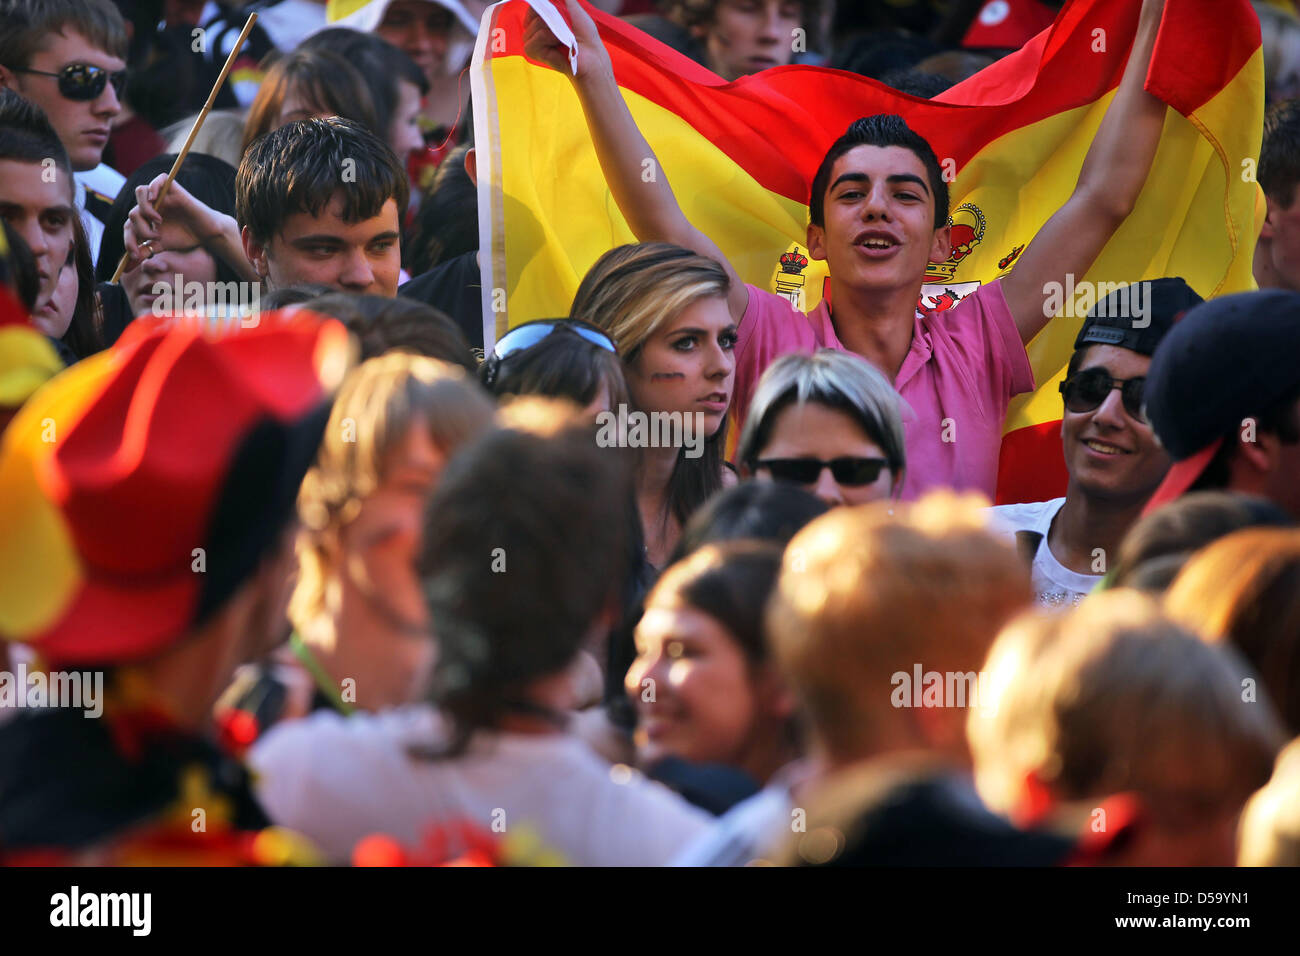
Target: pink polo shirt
(962,369)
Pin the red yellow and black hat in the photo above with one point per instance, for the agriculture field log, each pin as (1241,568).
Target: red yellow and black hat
(142,486)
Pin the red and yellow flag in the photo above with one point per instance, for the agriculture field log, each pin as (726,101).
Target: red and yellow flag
(741,157)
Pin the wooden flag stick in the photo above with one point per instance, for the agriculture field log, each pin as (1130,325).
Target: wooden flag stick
(198,124)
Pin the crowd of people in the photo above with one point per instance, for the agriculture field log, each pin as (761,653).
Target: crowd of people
(298,566)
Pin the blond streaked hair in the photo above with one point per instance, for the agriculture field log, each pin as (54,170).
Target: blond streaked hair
(1123,699)
(866,592)
(1270,824)
(1245,589)
(631,292)
(377,404)
(634,289)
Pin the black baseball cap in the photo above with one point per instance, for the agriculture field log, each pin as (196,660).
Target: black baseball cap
(1227,359)
(1138,316)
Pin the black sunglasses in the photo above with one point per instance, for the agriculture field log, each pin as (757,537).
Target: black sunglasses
(1085,391)
(850,472)
(81,81)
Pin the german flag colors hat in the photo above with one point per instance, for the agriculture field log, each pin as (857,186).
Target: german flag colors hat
(142,486)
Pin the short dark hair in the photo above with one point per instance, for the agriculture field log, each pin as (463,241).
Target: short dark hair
(1279,156)
(882,129)
(26,24)
(26,135)
(208,179)
(384,325)
(299,168)
(757,510)
(522,548)
(446,224)
(730,582)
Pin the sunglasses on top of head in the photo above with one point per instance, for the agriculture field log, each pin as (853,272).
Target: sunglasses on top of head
(81,81)
(524,336)
(1085,391)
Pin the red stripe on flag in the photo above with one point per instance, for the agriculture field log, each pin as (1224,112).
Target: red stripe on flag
(1031,466)
(778,124)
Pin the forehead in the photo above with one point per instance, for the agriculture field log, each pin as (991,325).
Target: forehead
(403,12)
(812,426)
(60,49)
(710,312)
(878,162)
(27,185)
(1119,362)
(668,617)
(330,222)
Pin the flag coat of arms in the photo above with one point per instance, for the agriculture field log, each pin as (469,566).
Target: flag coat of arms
(741,157)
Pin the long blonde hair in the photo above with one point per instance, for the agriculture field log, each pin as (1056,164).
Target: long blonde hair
(376,406)
(631,292)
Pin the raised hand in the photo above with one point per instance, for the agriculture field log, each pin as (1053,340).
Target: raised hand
(142,232)
(541,45)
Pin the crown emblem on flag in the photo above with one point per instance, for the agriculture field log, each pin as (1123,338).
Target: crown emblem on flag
(967,223)
(794,262)
(790,279)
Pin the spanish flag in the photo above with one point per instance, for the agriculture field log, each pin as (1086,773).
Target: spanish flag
(741,157)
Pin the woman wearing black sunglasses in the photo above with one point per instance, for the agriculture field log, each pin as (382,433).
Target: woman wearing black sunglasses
(829,422)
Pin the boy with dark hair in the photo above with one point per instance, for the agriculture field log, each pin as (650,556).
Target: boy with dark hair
(518,577)
(36,188)
(321,200)
(879,217)
(1112,456)
(69,58)
(1277,252)
(318,201)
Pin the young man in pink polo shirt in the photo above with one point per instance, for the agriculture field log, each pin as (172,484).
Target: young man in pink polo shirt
(879,215)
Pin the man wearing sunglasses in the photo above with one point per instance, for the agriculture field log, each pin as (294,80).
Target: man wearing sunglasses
(68,57)
(1112,455)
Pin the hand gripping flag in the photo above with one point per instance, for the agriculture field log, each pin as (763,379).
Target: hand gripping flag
(1012,139)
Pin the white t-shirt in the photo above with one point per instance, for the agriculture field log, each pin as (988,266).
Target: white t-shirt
(1055,586)
(338,779)
(749,828)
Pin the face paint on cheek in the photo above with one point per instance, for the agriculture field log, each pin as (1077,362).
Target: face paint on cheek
(666,376)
